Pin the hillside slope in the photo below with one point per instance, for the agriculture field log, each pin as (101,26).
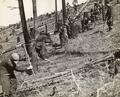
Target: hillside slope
(74,74)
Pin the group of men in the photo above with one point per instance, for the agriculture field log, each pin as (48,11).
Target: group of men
(69,29)
(105,11)
(9,65)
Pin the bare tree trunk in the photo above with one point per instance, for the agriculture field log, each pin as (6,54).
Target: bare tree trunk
(34,15)
(64,11)
(56,16)
(24,27)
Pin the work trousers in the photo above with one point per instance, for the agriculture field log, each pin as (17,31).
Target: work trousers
(9,86)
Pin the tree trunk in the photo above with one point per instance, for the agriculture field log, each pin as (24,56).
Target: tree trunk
(34,15)
(64,11)
(29,46)
(24,27)
(56,16)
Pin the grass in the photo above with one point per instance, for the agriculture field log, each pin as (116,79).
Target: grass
(73,46)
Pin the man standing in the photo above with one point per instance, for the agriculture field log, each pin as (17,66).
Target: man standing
(7,76)
(63,35)
(68,9)
(75,4)
(32,33)
(84,22)
(117,62)
(108,17)
(92,15)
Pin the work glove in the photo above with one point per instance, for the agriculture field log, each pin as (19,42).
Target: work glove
(29,70)
(30,67)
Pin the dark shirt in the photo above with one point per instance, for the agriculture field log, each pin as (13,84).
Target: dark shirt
(7,68)
(41,38)
(108,13)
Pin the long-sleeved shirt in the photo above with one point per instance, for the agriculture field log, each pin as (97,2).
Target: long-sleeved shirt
(7,68)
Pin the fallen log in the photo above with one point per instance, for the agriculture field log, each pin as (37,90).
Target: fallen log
(47,81)
(103,59)
(57,78)
(65,73)
(48,78)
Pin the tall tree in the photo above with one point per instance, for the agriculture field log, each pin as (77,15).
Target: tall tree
(34,15)
(56,16)
(24,27)
(64,11)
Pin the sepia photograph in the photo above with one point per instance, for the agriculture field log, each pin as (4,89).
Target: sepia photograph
(59,48)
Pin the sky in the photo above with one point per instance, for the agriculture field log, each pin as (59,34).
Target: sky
(8,16)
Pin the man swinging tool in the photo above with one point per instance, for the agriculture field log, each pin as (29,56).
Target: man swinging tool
(7,76)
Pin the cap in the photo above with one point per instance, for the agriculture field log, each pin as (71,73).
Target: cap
(15,56)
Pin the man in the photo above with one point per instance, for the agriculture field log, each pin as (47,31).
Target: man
(63,35)
(7,76)
(95,11)
(32,33)
(68,28)
(75,4)
(40,46)
(84,22)
(114,64)
(108,17)
(92,16)
(68,9)
(117,62)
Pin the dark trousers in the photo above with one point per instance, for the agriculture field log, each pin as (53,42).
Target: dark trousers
(9,86)
(109,23)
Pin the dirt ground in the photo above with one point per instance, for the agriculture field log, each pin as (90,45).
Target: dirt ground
(74,74)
